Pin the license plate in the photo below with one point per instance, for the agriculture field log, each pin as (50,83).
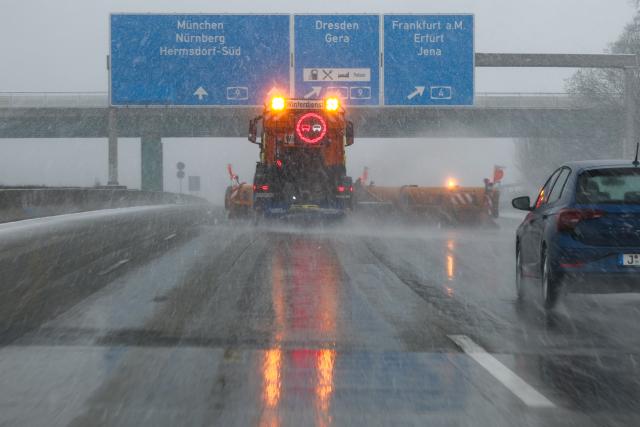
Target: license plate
(631,260)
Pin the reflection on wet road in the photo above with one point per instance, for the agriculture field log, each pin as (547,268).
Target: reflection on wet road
(304,282)
(342,326)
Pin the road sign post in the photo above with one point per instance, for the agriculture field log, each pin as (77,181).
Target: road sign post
(196,60)
(180,174)
(428,60)
(113,147)
(337,55)
(631,108)
(151,158)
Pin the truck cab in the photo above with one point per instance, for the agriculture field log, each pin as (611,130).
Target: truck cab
(302,166)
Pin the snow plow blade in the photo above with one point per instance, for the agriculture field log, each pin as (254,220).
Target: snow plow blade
(238,201)
(447,206)
(375,201)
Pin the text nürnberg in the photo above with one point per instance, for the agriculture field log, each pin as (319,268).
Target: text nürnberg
(205,32)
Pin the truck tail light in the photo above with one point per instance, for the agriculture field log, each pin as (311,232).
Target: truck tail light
(568,219)
(263,187)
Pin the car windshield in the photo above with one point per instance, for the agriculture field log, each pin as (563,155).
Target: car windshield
(611,186)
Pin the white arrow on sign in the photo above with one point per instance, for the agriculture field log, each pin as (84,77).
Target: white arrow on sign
(315,92)
(418,92)
(200,93)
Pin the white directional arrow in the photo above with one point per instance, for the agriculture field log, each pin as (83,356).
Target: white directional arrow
(315,92)
(418,92)
(200,93)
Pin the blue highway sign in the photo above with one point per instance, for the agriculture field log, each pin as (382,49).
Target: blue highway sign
(338,55)
(428,60)
(198,59)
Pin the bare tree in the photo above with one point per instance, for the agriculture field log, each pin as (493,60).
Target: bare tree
(536,157)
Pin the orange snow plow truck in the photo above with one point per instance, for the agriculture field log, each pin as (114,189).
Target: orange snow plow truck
(301,173)
(302,170)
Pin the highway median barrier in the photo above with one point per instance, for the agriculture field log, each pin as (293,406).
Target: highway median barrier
(24,203)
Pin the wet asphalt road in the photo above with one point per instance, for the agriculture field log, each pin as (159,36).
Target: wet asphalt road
(227,324)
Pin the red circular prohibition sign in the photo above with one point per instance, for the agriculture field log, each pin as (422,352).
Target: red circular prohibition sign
(311,128)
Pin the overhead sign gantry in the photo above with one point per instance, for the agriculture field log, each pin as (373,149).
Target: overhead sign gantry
(239,60)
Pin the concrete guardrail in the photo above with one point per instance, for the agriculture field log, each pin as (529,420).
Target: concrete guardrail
(24,203)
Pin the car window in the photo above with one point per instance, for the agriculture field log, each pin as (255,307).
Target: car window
(544,192)
(559,185)
(619,185)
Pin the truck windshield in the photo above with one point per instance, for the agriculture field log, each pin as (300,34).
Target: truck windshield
(613,186)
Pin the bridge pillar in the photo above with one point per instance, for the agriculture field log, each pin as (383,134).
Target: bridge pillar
(113,147)
(151,158)
(631,110)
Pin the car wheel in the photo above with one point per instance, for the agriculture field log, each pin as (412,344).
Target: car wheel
(549,285)
(519,276)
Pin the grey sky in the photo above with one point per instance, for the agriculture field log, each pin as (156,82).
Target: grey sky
(61,45)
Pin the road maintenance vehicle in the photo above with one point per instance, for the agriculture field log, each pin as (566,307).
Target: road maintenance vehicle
(302,169)
(301,173)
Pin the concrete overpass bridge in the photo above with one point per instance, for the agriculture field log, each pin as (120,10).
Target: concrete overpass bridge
(88,115)
(503,115)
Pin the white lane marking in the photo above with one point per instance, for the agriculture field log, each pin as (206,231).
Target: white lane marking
(529,395)
(170,236)
(113,267)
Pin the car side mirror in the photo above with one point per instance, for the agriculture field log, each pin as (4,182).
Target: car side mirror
(253,130)
(522,203)
(349,134)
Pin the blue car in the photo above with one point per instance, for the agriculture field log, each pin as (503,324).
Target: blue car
(582,233)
